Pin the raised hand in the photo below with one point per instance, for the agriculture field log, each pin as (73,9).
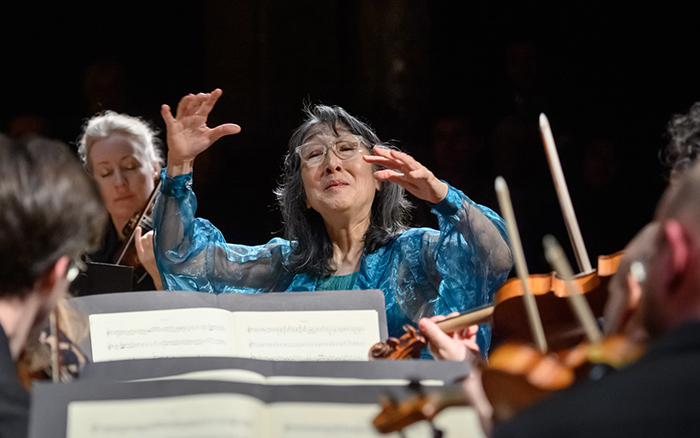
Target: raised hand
(449,346)
(405,171)
(188,134)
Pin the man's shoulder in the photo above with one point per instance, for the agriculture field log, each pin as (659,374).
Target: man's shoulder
(649,398)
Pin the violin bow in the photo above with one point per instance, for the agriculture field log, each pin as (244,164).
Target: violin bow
(479,316)
(557,259)
(55,353)
(143,214)
(520,265)
(567,208)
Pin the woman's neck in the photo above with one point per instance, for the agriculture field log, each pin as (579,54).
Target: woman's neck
(348,239)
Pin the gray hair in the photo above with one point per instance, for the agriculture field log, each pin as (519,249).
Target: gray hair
(312,251)
(107,123)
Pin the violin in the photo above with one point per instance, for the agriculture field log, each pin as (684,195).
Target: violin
(518,374)
(395,416)
(127,255)
(560,326)
(409,345)
(42,357)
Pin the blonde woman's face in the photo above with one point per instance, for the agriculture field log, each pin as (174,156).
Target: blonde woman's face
(124,176)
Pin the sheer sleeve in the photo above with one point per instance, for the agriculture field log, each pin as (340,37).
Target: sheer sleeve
(471,252)
(192,254)
(461,266)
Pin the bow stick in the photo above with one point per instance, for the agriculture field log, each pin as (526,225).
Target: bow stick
(567,208)
(520,265)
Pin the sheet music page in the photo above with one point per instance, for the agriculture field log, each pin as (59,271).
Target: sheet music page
(194,416)
(350,420)
(306,335)
(161,333)
(242,416)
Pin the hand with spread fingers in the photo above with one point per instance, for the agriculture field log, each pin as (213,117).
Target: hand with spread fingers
(456,346)
(188,133)
(404,170)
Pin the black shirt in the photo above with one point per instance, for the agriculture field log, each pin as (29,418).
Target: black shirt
(658,396)
(14,399)
(107,253)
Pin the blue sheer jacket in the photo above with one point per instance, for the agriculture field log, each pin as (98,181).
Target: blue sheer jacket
(423,272)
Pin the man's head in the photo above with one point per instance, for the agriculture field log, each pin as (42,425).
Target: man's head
(622,314)
(50,213)
(671,290)
(684,143)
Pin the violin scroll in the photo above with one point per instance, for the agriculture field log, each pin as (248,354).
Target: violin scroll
(407,346)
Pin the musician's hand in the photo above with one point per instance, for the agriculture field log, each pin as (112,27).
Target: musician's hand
(144,251)
(405,171)
(453,346)
(474,391)
(188,134)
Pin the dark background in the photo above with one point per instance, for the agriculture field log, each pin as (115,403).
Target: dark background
(458,86)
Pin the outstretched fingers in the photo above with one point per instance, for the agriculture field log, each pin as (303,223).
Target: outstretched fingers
(167,115)
(186,105)
(209,101)
(223,130)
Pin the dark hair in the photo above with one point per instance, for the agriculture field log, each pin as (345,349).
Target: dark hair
(313,250)
(684,140)
(49,208)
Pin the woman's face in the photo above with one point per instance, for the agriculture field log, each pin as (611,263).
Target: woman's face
(125,178)
(335,185)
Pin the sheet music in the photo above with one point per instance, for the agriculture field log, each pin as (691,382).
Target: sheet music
(321,420)
(306,335)
(161,333)
(226,415)
(197,416)
(303,335)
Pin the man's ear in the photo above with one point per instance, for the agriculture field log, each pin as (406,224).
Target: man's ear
(47,282)
(679,252)
(635,292)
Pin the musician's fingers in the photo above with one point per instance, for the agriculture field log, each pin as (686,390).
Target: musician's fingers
(137,241)
(438,318)
(440,344)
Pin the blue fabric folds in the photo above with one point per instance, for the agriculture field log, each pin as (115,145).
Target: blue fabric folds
(423,272)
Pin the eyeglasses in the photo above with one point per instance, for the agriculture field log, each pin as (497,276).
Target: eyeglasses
(314,153)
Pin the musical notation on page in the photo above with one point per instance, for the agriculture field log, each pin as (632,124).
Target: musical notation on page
(297,335)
